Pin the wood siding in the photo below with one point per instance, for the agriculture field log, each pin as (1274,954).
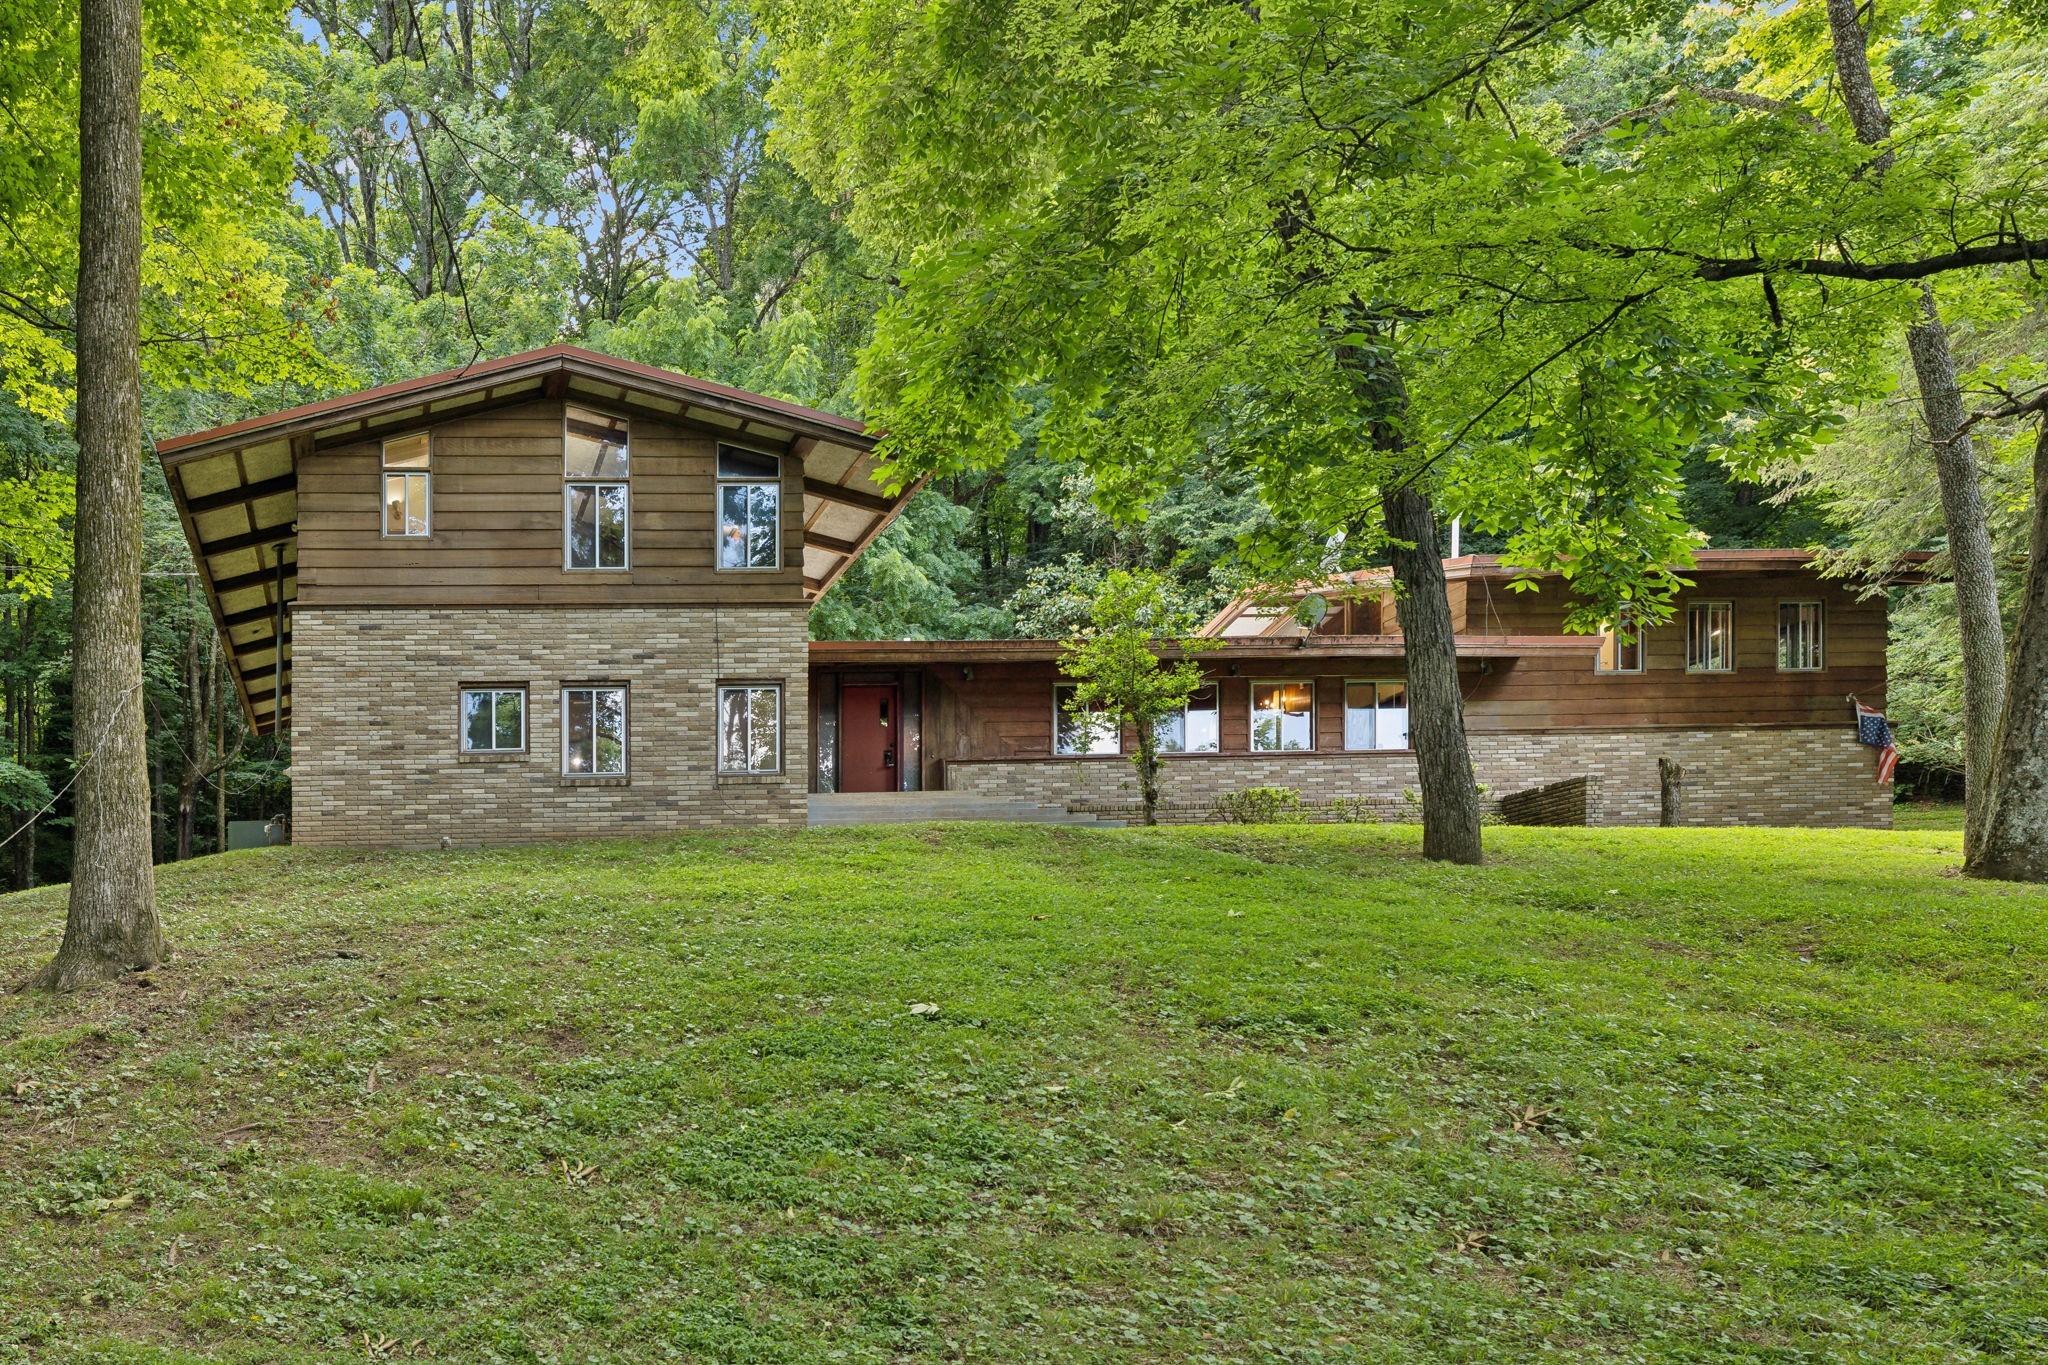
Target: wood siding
(1005,709)
(1555,692)
(497,523)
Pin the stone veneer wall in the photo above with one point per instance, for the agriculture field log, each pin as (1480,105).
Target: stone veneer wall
(1735,775)
(376,755)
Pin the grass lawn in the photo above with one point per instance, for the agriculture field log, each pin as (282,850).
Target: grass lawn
(1928,815)
(1198,1094)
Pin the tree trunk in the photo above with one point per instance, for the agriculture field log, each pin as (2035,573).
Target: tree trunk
(2014,843)
(1670,792)
(1148,773)
(1436,706)
(1973,561)
(112,923)
(1974,568)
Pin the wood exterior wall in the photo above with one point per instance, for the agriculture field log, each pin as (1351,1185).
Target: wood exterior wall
(496,522)
(1005,710)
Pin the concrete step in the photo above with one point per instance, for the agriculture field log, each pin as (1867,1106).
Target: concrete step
(903,808)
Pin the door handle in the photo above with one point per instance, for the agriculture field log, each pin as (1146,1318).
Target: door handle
(888,758)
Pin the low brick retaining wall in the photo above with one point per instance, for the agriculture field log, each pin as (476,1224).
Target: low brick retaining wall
(1570,802)
(1747,775)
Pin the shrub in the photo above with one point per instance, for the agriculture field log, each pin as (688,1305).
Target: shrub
(1260,806)
(1352,810)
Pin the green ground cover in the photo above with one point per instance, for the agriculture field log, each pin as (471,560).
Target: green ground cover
(1195,1094)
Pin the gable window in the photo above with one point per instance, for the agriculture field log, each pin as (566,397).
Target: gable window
(749,509)
(594,732)
(1375,715)
(1621,648)
(1089,733)
(596,490)
(406,475)
(750,729)
(493,720)
(1193,728)
(1710,637)
(1283,716)
(1799,637)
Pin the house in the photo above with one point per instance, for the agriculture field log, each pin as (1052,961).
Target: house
(561,594)
(1749,688)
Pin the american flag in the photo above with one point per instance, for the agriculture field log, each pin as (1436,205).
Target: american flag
(1872,729)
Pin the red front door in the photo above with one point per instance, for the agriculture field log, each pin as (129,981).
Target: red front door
(869,722)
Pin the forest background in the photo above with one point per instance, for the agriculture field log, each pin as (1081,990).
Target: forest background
(361,191)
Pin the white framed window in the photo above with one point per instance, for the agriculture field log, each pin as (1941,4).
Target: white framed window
(1196,728)
(1375,715)
(1710,637)
(1799,638)
(749,509)
(597,490)
(593,732)
(493,720)
(1090,733)
(1283,716)
(1621,648)
(750,728)
(408,477)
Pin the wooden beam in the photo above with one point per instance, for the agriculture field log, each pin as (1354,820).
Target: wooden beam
(262,535)
(832,543)
(262,644)
(851,497)
(246,493)
(262,578)
(266,612)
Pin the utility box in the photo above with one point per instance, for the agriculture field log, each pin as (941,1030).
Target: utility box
(255,833)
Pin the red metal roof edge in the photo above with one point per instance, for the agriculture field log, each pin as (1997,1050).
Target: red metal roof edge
(483,370)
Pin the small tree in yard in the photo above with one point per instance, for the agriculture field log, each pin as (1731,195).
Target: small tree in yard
(1120,678)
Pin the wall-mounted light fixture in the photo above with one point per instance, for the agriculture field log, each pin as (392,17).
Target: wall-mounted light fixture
(967,672)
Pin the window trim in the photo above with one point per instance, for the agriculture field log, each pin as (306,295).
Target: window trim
(1707,604)
(1251,733)
(625,730)
(571,482)
(462,694)
(1058,711)
(1820,635)
(1211,686)
(720,483)
(386,472)
(1608,631)
(1376,684)
(718,728)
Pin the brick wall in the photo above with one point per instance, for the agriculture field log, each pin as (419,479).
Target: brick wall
(1736,775)
(1570,802)
(376,755)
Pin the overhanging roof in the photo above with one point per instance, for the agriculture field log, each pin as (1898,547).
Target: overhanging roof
(896,653)
(236,486)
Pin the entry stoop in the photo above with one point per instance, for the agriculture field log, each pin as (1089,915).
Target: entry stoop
(909,808)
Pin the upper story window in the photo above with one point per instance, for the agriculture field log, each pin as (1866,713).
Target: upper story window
(596,490)
(1089,733)
(1283,716)
(1710,637)
(749,509)
(1375,715)
(1194,728)
(407,473)
(1621,647)
(1799,637)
